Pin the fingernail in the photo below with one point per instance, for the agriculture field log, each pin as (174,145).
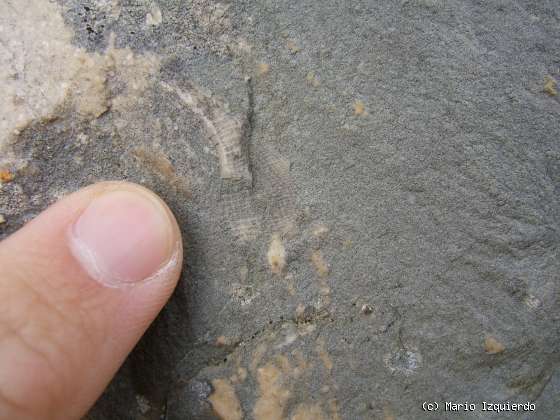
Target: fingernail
(123,237)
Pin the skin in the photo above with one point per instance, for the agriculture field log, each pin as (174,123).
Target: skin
(63,332)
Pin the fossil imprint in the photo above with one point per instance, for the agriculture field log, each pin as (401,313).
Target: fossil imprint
(226,131)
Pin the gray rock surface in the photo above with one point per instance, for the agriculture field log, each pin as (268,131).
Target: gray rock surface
(368,193)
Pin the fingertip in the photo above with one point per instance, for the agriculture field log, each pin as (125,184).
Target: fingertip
(101,263)
(126,235)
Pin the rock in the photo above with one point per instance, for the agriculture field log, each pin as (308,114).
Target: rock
(418,133)
(493,346)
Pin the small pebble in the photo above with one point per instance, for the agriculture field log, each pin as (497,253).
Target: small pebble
(493,346)
(359,108)
(292,46)
(367,309)
(550,86)
(263,68)
(6,176)
(312,79)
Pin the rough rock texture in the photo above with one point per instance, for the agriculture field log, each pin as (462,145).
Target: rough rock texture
(369,193)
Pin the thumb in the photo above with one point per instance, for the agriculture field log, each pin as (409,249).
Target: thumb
(79,285)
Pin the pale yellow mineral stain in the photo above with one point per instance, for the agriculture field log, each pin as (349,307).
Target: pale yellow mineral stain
(319,263)
(279,166)
(359,108)
(263,69)
(242,374)
(257,356)
(308,412)
(388,413)
(312,79)
(493,346)
(320,231)
(323,354)
(6,176)
(224,400)
(284,363)
(273,395)
(550,86)
(302,364)
(333,405)
(325,291)
(290,286)
(276,255)
(300,311)
(321,268)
